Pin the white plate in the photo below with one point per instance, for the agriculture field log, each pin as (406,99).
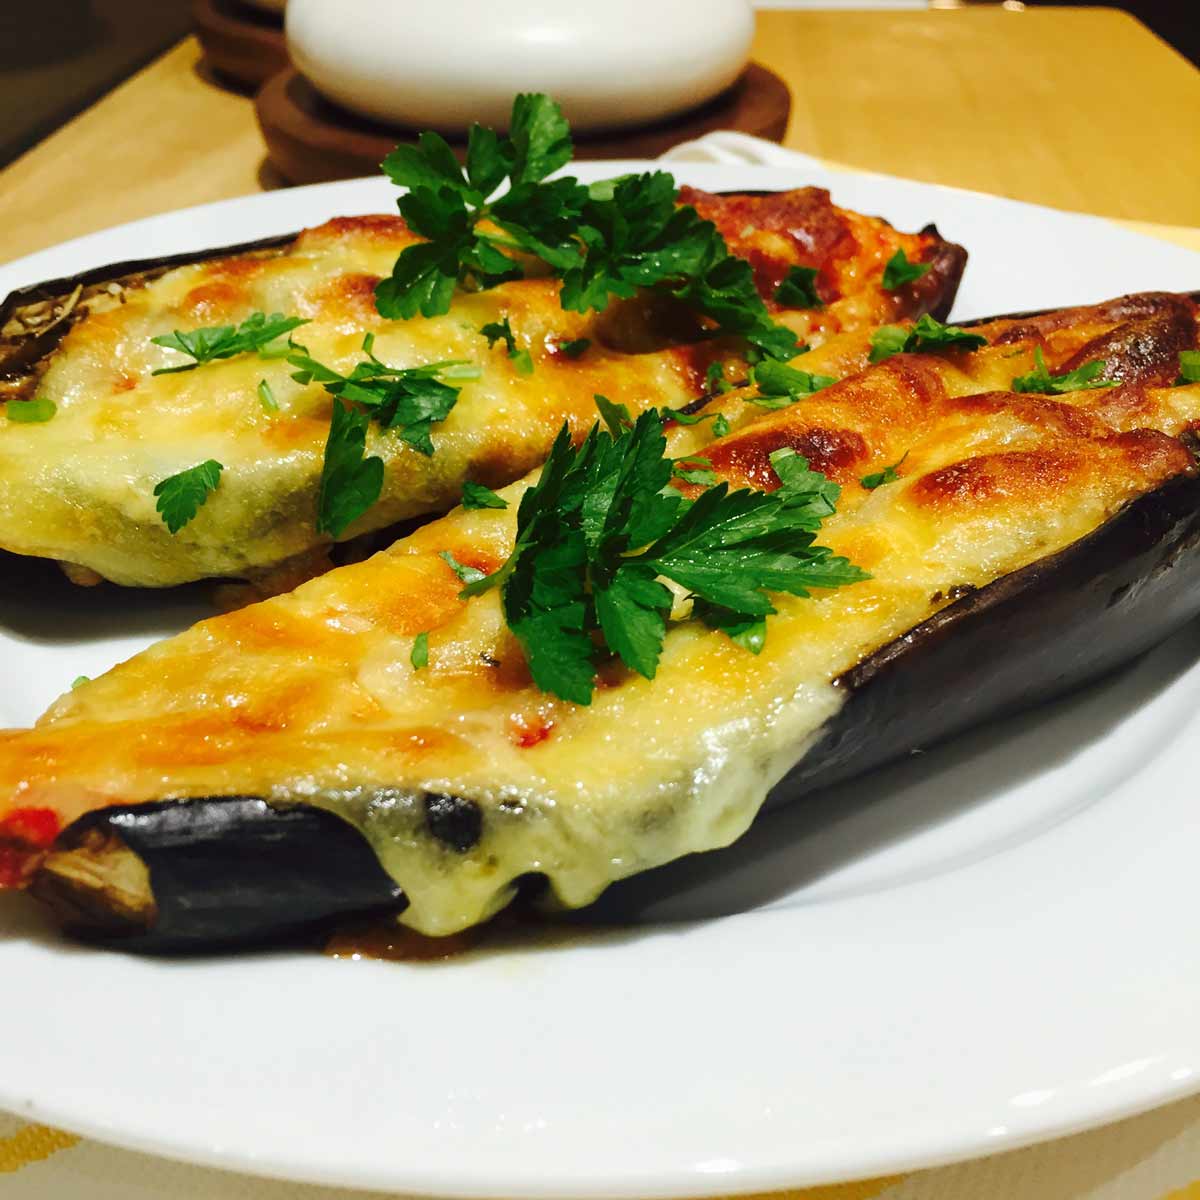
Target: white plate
(987,945)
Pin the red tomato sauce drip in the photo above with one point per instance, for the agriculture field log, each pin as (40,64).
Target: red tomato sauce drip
(23,833)
(530,730)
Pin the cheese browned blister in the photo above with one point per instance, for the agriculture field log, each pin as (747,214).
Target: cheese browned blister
(313,698)
(80,487)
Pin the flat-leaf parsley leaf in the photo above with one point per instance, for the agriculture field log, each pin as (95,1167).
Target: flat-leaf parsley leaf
(889,474)
(404,400)
(927,336)
(181,496)
(351,481)
(1040,380)
(900,271)
(601,529)
(475,495)
(799,289)
(781,385)
(256,332)
(603,240)
(574,348)
(496,331)
(466,573)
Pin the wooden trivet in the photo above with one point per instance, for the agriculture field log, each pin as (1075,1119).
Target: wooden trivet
(241,43)
(311,139)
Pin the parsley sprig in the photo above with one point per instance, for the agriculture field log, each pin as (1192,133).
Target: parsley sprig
(607,239)
(1041,381)
(404,400)
(889,474)
(799,289)
(780,385)
(900,271)
(476,495)
(256,332)
(496,331)
(602,529)
(181,496)
(720,423)
(927,336)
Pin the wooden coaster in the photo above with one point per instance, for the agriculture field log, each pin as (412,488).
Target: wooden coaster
(311,140)
(241,43)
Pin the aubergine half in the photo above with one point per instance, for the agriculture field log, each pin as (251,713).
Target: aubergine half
(285,764)
(80,487)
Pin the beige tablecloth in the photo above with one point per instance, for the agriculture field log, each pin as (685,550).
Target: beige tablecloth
(1152,1157)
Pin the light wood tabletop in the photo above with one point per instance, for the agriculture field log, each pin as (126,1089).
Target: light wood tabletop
(1077,108)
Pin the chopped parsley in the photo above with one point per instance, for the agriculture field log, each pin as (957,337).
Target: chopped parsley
(888,340)
(79,681)
(420,652)
(780,385)
(1189,366)
(404,400)
(799,289)
(887,475)
(31,412)
(616,416)
(927,336)
(715,379)
(900,271)
(1040,380)
(475,495)
(575,347)
(694,470)
(351,481)
(496,331)
(601,529)
(720,421)
(604,240)
(266,397)
(180,497)
(256,332)
(407,400)
(465,573)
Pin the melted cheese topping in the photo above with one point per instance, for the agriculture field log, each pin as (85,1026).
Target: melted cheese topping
(311,697)
(80,488)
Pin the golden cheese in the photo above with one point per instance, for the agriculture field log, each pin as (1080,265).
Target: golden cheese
(80,488)
(312,697)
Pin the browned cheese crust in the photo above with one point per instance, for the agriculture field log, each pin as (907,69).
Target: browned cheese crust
(311,697)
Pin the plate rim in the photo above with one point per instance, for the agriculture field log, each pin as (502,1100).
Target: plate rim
(1139,1092)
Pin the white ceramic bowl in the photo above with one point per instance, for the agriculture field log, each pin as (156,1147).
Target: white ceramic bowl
(443,65)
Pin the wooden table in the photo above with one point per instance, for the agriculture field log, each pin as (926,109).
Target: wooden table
(1077,108)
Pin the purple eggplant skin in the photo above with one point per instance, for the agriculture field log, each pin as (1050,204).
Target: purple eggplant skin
(139,268)
(1029,637)
(20,353)
(229,872)
(936,290)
